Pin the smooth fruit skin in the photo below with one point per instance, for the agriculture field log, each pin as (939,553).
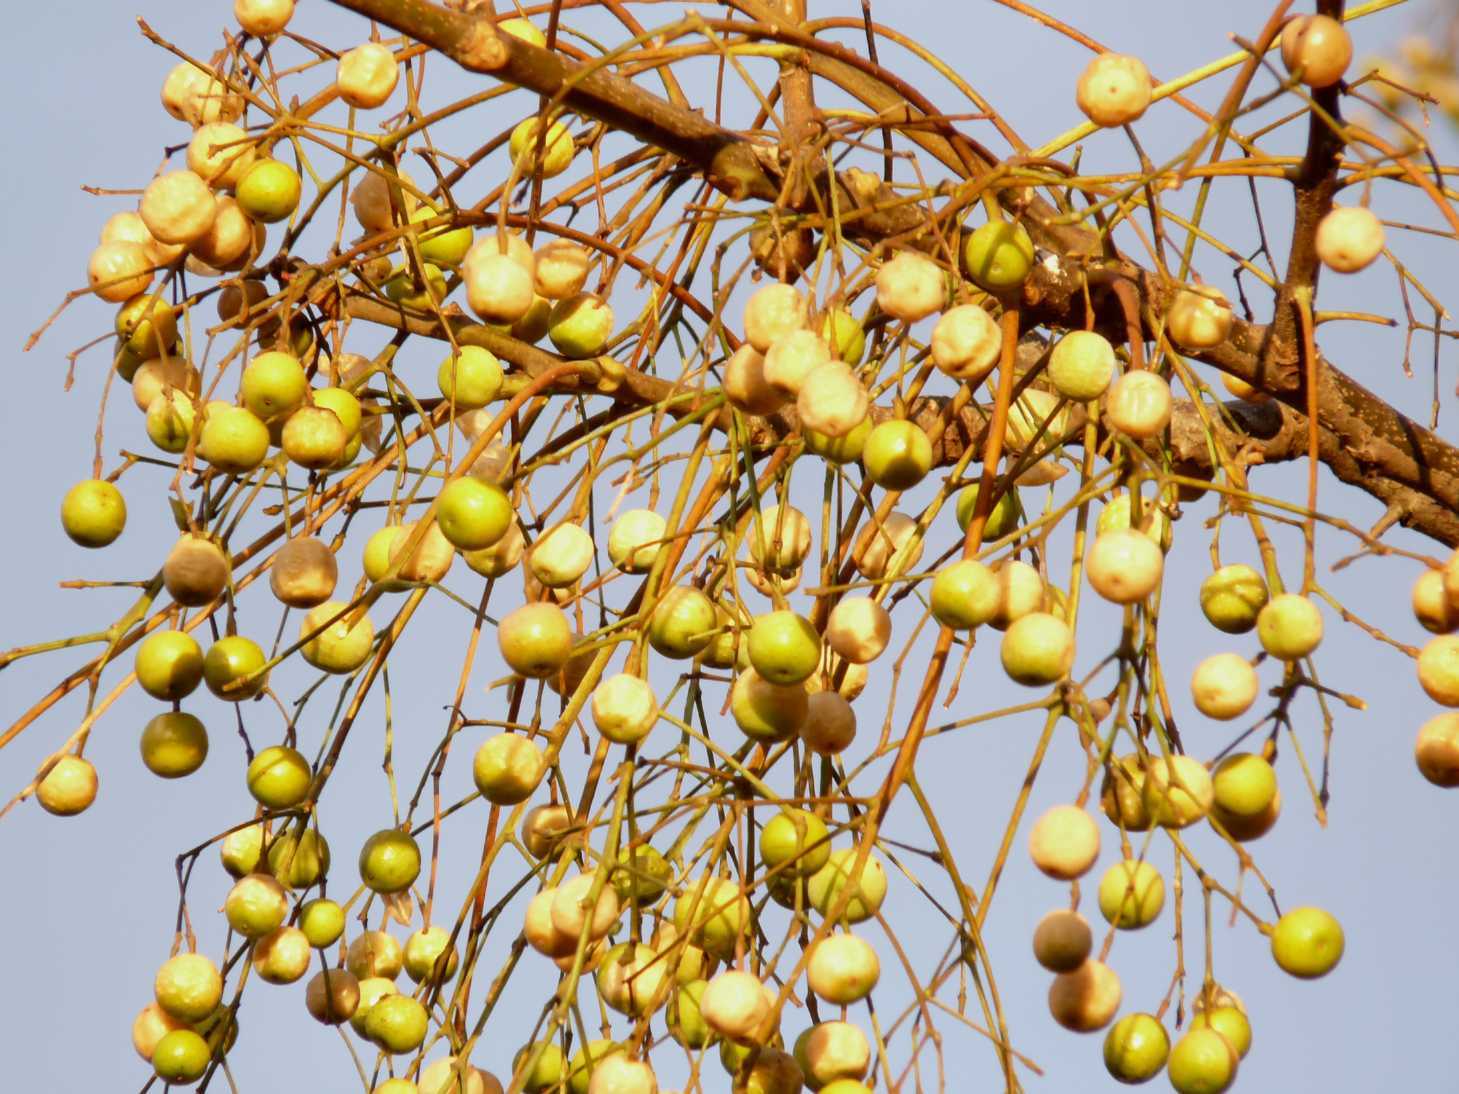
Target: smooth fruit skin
(339,647)
(507,768)
(397,1023)
(1202,1063)
(269,191)
(93,513)
(1005,516)
(1438,669)
(473,514)
(1086,999)
(1436,752)
(1349,239)
(299,862)
(181,1058)
(1224,686)
(825,886)
(1131,895)
(279,777)
(682,623)
(1230,1022)
(965,595)
(535,640)
(1124,566)
(68,788)
(188,986)
(472,377)
(784,647)
(390,861)
(1136,1048)
(232,439)
(1062,940)
(322,921)
(169,665)
(1317,49)
(998,256)
(422,951)
(842,969)
(1037,649)
(1199,317)
(796,840)
(897,454)
(256,905)
(1177,791)
(1081,365)
(1064,842)
(1245,784)
(1290,627)
(233,668)
(1114,90)
(765,711)
(1233,597)
(1307,943)
(174,744)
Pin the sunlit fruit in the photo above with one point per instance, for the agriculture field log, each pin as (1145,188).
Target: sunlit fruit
(1233,597)
(169,665)
(314,438)
(507,768)
(1436,752)
(220,153)
(471,377)
(193,95)
(1199,318)
(232,439)
(1062,940)
(1244,785)
(418,289)
(1290,627)
(269,191)
(1136,1048)
(1202,1062)
(682,623)
(1131,894)
(842,969)
(443,246)
(897,454)
(1230,1022)
(1005,516)
(780,538)
(746,385)
(341,646)
(827,885)
(624,708)
(1085,999)
(966,343)
(540,1067)
(279,777)
(1113,90)
(241,850)
(473,514)
(233,668)
(366,76)
(397,1023)
(642,875)
(1121,794)
(423,952)
(429,560)
(450,1075)
(1064,842)
(846,334)
(150,1026)
(998,256)
(767,711)
(262,18)
(322,921)
(1307,942)
(784,648)
(832,401)
(374,204)
(1349,238)
(1123,566)
(796,840)
(174,744)
(299,861)
(685,1019)
(188,986)
(375,955)
(389,861)
(196,571)
(581,325)
(833,1052)
(1139,404)
(1177,791)
(1021,591)
(1081,364)
(535,640)
(1037,649)
(772,312)
(534,152)
(575,909)
(1431,605)
(887,547)
(712,913)
(68,788)
(117,271)
(177,207)
(1438,669)
(561,555)
(304,572)
(228,242)
(538,928)
(636,540)
(561,269)
(910,286)
(256,905)
(631,979)
(1316,49)
(147,324)
(372,990)
(734,1005)
(1224,686)
(331,995)
(544,827)
(181,1057)
(858,629)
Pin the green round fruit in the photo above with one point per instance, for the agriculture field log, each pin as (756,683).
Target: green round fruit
(269,191)
(584,1060)
(390,861)
(1232,597)
(581,325)
(232,439)
(93,513)
(1245,784)
(1131,895)
(181,1057)
(1006,516)
(422,951)
(322,921)
(1202,1063)
(897,454)
(998,256)
(234,668)
(642,875)
(846,335)
(416,291)
(1081,365)
(713,913)
(274,385)
(1136,1048)
(686,1023)
(397,1023)
(796,839)
(546,1074)
(299,862)
(473,514)
(535,640)
(472,377)
(256,905)
(683,623)
(766,711)
(1290,627)
(174,744)
(241,850)
(1037,649)
(784,648)
(169,665)
(279,777)
(825,885)
(507,768)
(839,450)
(147,325)
(443,246)
(1307,942)
(1230,1022)
(965,594)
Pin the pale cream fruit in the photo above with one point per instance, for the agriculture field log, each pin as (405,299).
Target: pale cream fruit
(498,288)
(509,243)
(830,723)
(1199,317)
(375,955)
(263,17)
(858,629)
(119,271)
(1316,49)
(745,384)
(1121,794)
(854,678)
(193,95)
(1177,791)
(1064,842)
(1224,686)
(561,555)
(1021,592)
(374,206)
(430,560)
(831,1051)
(219,154)
(304,572)
(1062,940)
(366,75)
(1123,566)
(910,286)
(544,827)
(340,647)
(561,269)
(779,538)
(1036,417)
(1139,404)
(791,359)
(1436,752)
(331,996)
(1431,605)
(620,1075)
(150,1026)
(196,571)
(890,547)
(501,557)
(1081,365)
(188,986)
(1349,238)
(687,961)
(129,227)
(230,239)
(1114,90)
(1289,627)
(178,207)
(450,1075)
(574,910)
(832,401)
(1085,999)
(282,956)
(1438,669)
(966,343)
(636,540)
(68,788)
(772,312)
(161,374)
(632,980)
(538,929)
(624,708)
(842,969)
(314,438)
(735,1006)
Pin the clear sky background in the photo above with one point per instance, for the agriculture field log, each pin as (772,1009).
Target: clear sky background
(91,901)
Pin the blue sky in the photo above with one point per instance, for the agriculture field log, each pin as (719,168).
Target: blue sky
(94,898)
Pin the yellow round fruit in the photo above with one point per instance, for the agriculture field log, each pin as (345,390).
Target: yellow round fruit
(1177,791)
(498,286)
(1037,649)
(188,986)
(1232,598)
(1349,238)
(174,744)
(735,1006)
(1244,785)
(1136,1048)
(1121,794)
(1202,1062)
(842,969)
(342,646)
(424,953)
(535,640)
(1316,49)
(181,1057)
(581,325)
(772,312)
(119,271)
(1307,942)
(1436,752)
(269,191)
(533,153)
(1290,627)
(1199,318)
(575,910)
(68,788)
(507,768)
(1114,90)
(234,668)
(365,76)
(1131,894)
(262,18)
(1064,842)
(1224,686)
